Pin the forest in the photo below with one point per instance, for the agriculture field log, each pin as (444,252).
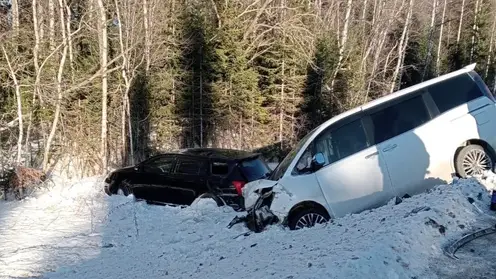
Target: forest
(90,85)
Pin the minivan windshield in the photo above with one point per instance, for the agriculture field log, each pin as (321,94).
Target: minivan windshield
(283,166)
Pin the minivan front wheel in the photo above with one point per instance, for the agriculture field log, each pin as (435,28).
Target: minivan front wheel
(473,160)
(308,218)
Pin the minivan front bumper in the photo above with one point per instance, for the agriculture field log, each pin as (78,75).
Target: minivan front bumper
(261,198)
(253,191)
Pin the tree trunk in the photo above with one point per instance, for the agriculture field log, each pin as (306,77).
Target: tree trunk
(59,88)
(474,30)
(460,23)
(342,41)
(15,15)
(102,26)
(489,55)
(127,86)
(69,41)
(430,39)
(401,48)
(36,48)
(51,27)
(146,24)
(281,109)
(17,87)
(438,56)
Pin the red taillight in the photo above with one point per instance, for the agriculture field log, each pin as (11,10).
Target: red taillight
(239,185)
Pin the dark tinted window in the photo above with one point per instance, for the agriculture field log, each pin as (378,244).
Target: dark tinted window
(220,168)
(188,167)
(159,165)
(254,169)
(399,118)
(482,84)
(337,144)
(453,92)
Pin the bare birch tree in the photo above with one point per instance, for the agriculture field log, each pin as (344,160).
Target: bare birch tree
(60,91)
(440,41)
(17,87)
(402,47)
(103,45)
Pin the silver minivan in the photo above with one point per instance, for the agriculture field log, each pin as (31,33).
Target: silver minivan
(395,146)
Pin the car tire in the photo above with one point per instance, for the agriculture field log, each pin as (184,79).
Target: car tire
(473,160)
(220,202)
(309,216)
(124,187)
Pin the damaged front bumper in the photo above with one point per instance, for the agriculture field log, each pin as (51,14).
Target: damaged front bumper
(258,214)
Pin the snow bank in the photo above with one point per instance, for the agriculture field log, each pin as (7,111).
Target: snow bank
(78,232)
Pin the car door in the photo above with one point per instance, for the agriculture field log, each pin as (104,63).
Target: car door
(354,177)
(154,178)
(411,145)
(190,180)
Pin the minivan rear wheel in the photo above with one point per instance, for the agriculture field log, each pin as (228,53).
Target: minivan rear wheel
(307,218)
(473,160)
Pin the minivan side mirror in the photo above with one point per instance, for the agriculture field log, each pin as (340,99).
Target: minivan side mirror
(318,161)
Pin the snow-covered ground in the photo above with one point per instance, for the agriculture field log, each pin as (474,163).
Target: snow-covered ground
(76,231)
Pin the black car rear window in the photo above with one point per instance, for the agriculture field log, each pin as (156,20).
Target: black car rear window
(254,169)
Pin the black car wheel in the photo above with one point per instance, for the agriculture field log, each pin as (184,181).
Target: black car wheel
(125,188)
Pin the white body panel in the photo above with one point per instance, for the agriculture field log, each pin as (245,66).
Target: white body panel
(356,183)
(418,159)
(292,190)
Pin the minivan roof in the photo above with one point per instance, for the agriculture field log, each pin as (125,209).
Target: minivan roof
(417,86)
(397,94)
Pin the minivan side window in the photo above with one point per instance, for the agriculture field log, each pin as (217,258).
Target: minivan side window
(453,92)
(399,118)
(336,144)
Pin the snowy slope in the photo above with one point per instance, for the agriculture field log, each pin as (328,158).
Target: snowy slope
(76,231)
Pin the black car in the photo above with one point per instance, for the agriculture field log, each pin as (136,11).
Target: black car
(181,177)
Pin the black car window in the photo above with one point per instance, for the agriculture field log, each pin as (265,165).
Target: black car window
(159,165)
(399,118)
(453,92)
(254,169)
(337,144)
(186,166)
(219,168)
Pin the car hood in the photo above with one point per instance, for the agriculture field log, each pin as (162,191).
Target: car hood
(256,185)
(125,169)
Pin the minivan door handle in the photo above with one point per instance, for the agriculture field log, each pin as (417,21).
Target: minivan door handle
(389,147)
(371,155)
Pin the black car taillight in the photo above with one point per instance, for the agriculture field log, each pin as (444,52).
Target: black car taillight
(239,186)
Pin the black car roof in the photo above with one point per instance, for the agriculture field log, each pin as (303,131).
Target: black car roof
(217,153)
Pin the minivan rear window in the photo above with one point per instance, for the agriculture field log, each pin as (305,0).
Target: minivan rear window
(454,92)
(254,169)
